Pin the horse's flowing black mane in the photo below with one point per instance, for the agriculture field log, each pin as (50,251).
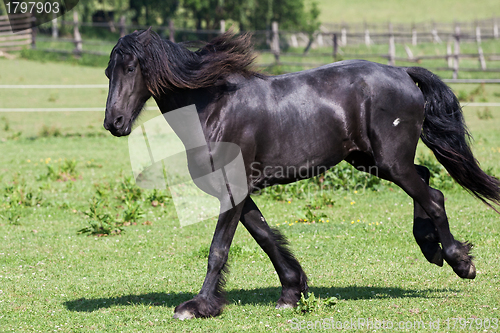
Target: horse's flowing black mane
(166,65)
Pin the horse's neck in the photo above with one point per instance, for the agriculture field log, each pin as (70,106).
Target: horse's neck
(173,100)
(185,112)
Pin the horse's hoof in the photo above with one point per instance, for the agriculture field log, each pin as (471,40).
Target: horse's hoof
(183,315)
(199,307)
(284,306)
(472,272)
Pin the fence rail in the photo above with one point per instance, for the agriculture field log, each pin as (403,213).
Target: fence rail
(10,41)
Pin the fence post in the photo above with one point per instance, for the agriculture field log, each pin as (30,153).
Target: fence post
(33,31)
(495,28)
(480,53)
(171,30)
(367,34)
(414,36)
(409,53)
(320,39)
(276,42)
(392,47)
(55,32)
(435,36)
(335,47)
(367,37)
(222,26)
(343,37)
(449,57)
(77,38)
(457,52)
(293,41)
(123,29)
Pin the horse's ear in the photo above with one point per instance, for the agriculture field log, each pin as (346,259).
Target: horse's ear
(145,37)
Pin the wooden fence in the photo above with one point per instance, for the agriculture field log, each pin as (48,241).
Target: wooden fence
(337,37)
(10,41)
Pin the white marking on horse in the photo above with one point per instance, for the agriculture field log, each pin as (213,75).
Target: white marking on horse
(396,122)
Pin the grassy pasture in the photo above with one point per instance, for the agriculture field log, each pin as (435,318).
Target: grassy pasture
(405,11)
(363,253)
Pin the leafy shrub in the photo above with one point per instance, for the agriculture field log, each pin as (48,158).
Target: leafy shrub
(6,125)
(310,216)
(19,194)
(132,212)
(66,170)
(157,197)
(47,132)
(313,303)
(342,176)
(12,214)
(129,190)
(100,222)
(484,114)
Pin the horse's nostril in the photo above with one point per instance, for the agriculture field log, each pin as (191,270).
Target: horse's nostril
(119,121)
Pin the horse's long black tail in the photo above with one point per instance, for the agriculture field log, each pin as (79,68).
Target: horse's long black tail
(445,133)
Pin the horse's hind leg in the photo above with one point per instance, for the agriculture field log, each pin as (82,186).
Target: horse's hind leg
(292,277)
(424,231)
(431,201)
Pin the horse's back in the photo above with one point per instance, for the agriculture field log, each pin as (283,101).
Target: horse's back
(318,117)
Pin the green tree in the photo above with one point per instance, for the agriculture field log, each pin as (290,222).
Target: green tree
(253,14)
(209,12)
(152,12)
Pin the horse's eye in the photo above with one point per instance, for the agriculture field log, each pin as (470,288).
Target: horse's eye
(130,69)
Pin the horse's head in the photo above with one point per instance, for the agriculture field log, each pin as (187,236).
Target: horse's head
(128,91)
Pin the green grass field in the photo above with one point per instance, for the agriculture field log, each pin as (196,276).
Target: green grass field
(363,253)
(398,11)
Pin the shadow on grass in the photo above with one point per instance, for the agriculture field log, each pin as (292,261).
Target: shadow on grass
(261,296)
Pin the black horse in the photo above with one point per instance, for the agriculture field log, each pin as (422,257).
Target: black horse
(365,113)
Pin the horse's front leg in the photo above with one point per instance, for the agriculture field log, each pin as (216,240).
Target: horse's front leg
(292,277)
(210,300)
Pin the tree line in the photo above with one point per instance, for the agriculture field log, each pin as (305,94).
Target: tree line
(205,14)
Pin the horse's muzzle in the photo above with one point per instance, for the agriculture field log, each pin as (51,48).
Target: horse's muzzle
(119,126)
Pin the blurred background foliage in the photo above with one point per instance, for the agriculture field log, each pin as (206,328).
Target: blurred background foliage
(204,14)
